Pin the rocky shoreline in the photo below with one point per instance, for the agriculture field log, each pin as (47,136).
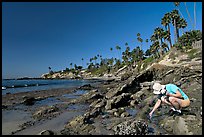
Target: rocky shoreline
(116,107)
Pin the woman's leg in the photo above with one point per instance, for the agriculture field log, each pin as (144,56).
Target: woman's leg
(176,102)
(164,100)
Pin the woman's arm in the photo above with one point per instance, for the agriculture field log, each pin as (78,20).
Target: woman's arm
(158,103)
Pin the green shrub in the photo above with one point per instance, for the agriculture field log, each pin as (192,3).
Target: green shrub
(147,61)
(192,53)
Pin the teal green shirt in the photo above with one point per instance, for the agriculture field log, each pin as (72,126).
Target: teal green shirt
(171,88)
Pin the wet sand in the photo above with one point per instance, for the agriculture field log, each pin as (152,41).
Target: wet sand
(15,113)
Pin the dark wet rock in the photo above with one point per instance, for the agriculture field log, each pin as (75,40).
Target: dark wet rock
(4,107)
(86,87)
(118,91)
(95,112)
(88,97)
(96,96)
(118,101)
(46,132)
(110,80)
(122,100)
(29,101)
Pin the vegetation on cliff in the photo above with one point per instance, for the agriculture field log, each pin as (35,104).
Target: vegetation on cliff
(161,44)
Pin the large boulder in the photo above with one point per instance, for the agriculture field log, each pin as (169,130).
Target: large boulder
(182,125)
(131,128)
(45,112)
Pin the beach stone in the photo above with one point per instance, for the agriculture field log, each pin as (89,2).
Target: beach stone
(117,114)
(125,114)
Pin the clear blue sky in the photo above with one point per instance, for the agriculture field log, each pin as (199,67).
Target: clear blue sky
(36,35)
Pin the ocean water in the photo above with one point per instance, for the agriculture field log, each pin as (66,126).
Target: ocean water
(15,86)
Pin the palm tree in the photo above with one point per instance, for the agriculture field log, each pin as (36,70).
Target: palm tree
(95,58)
(127,54)
(139,39)
(82,61)
(126,44)
(147,53)
(164,47)
(111,49)
(75,66)
(153,38)
(175,17)
(159,35)
(182,23)
(119,49)
(156,48)
(177,6)
(166,37)
(147,40)
(166,20)
(70,65)
(49,69)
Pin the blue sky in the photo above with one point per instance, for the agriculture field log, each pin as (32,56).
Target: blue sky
(36,35)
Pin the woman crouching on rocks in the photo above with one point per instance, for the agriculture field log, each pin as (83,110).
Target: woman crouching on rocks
(172,95)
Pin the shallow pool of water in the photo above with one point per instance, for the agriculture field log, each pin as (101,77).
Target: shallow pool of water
(48,101)
(78,107)
(12,119)
(132,111)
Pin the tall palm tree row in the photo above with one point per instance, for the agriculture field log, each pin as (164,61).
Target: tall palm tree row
(166,20)
(161,40)
(139,39)
(119,49)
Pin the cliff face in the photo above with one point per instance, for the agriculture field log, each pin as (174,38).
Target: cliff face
(135,92)
(174,58)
